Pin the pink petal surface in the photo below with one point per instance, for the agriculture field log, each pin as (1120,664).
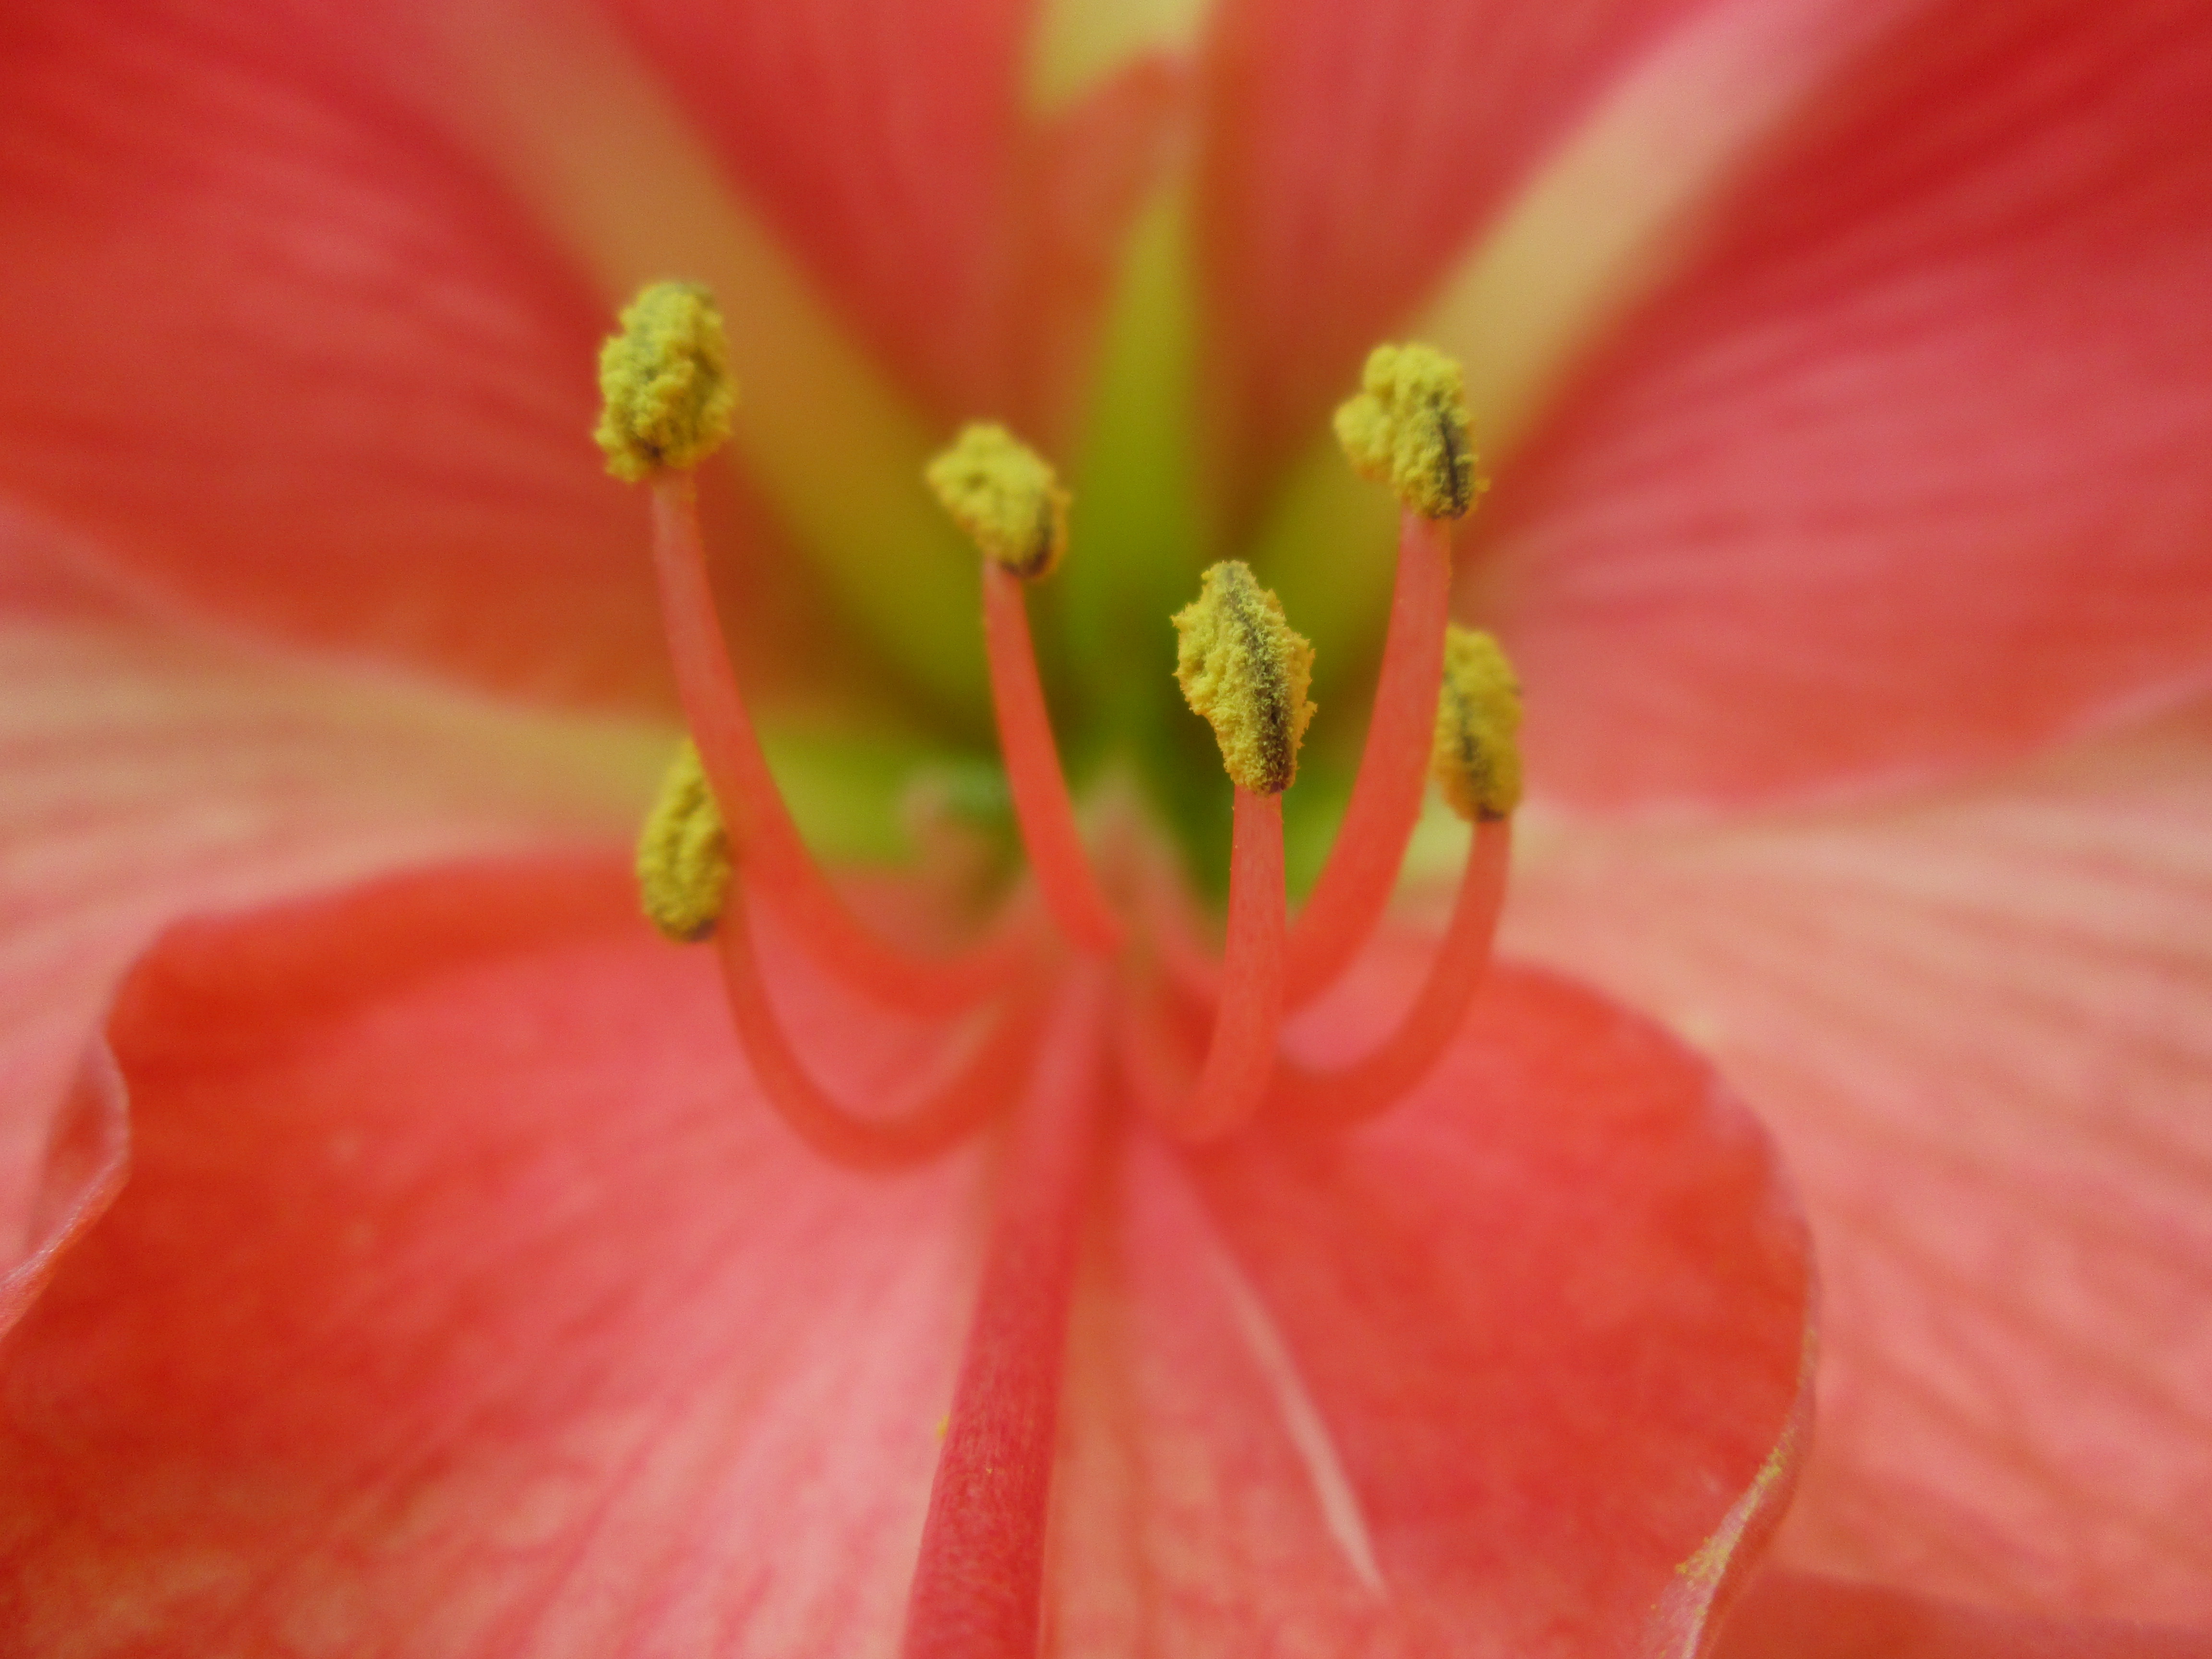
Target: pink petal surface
(1485,1375)
(506,1324)
(1977,1019)
(462,1300)
(275,343)
(1904,474)
(1795,1615)
(153,769)
(1349,153)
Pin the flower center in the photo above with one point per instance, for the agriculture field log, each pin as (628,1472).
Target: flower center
(1066,989)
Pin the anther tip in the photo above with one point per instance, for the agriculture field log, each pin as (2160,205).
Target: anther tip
(1005,496)
(684,854)
(1476,760)
(664,379)
(1245,670)
(1408,427)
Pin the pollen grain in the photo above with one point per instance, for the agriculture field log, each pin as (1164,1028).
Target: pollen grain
(1408,427)
(664,378)
(684,853)
(1005,496)
(1476,758)
(1245,670)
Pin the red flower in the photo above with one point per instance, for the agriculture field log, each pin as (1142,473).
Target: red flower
(1844,371)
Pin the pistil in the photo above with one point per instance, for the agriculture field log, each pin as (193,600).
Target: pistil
(978,1584)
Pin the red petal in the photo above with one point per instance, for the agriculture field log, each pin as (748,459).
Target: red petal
(1907,472)
(1485,1375)
(1790,1615)
(266,334)
(1978,1023)
(463,1300)
(1349,151)
(887,141)
(150,771)
(879,135)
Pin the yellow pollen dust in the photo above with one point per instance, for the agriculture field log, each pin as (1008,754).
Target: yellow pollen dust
(1245,670)
(1476,758)
(1005,496)
(1407,427)
(664,378)
(684,853)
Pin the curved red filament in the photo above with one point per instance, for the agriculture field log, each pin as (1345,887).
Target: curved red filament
(760,825)
(1343,1096)
(1355,885)
(978,1584)
(1057,857)
(1240,1054)
(975,1093)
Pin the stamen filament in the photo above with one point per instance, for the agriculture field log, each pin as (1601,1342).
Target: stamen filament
(1057,856)
(978,1583)
(1345,1095)
(975,1095)
(767,841)
(1355,885)
(1240,1054)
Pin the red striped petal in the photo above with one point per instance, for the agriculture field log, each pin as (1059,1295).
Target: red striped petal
(1905,474)
(1497,1372)
(153,769)
(1349,151)
(1793,1615)
(270,338)
(462,1300)
(1977,1021)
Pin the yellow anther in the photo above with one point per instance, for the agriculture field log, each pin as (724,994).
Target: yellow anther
(664,378)
(1409,429)
(1245,669)
(1476,758)
(684,855)
(1005,496)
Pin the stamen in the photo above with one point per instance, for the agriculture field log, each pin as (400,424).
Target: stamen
(1476,759)
(978,1583)
(669,400)
(775,857)
(1349,898)
(1240,1056)
(664,378)
(684,854)
(1005,496)
(1378,1080)
(972,1097)
(1409,429)
(1245,670)
(1231,1082)
(1476,754)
